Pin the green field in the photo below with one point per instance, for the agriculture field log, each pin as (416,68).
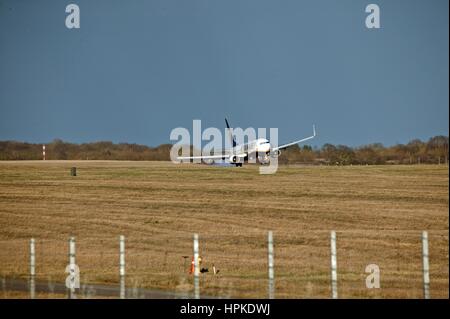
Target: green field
(378,213)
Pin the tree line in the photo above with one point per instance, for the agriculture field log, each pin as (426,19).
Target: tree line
(104,150)
(435,151)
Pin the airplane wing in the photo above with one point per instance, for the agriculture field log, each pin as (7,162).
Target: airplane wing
(296,142)
(206,157)
(202,157)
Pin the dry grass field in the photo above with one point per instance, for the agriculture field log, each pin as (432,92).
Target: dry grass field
(378,213)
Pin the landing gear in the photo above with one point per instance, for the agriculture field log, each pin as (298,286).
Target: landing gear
(238,164)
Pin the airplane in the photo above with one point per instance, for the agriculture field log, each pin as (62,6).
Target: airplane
(240,153)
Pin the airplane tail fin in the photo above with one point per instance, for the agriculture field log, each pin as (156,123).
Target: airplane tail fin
(231,133)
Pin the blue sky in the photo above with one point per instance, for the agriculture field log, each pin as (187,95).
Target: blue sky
(137,69)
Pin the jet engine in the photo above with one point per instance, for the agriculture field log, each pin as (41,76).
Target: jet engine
(275,153)
(234,159)
(264,160)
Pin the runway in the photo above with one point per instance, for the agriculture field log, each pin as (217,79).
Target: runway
(87,291)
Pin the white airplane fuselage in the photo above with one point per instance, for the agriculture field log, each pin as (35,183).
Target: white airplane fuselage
(260,145)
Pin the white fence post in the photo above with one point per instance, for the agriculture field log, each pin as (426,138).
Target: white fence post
(426,266)
(122,287)
(72,251)
(122,266)
(334,293)
(32,268)
(270,262)
(72,265)
(32,257)
(196,269)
